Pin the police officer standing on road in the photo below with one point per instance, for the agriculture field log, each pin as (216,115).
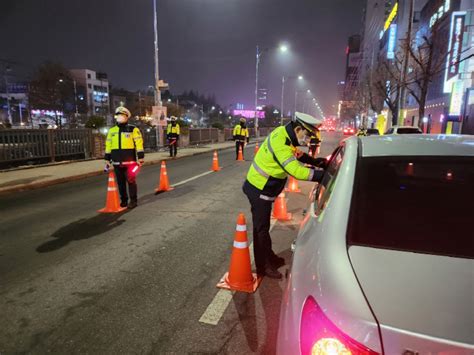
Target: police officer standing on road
(241,136)
(276,159)
(172,133)
(123,146)
(314,143)
(362,132)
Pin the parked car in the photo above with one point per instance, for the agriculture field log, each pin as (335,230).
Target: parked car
(383,262)
(404,130)
(348,131)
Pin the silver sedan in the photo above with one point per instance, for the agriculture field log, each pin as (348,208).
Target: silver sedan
(383,262)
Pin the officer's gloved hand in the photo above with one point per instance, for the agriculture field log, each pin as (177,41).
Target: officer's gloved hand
(321,163)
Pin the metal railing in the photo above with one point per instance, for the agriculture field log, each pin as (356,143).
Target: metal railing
(44,145)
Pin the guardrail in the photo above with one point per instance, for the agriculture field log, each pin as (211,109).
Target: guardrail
(40,146)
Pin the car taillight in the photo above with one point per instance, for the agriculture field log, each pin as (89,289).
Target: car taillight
(319,336)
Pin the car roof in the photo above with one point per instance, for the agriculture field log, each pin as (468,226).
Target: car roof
(417,145)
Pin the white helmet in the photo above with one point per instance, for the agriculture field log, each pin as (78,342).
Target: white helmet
(122,111)
(308,122)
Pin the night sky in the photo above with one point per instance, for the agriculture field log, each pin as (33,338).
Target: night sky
(205,45)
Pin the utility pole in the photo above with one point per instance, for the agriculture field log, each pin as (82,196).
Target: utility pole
(282,99)
(159,128)
(256,90)
(9,111)
(404,73)
(296,99)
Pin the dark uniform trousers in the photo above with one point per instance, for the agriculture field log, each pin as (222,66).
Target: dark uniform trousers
(173,142)
(124,175)
(261,215)
(239,144)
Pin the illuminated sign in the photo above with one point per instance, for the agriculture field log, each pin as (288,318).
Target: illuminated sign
(49,113)
(455,49)
(391,17)
(456,98)
(392,41)
(249,113)
(442,10)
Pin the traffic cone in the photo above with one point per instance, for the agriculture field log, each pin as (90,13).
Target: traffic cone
(240,276)
(112,203)
(279,209)
(256,149)
(164,182)
(240,157)
(292,185)
(215,162)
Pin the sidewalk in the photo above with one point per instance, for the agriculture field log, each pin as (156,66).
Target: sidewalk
(46,175)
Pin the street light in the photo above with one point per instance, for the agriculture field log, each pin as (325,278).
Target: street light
(283,48)
(299,77)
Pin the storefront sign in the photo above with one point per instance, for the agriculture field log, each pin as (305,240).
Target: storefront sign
(392,41)
(391,17)
(455,49)
(456,98)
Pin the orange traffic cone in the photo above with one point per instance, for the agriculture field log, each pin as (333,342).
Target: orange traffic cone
(240,157)
(215,162)
(112,203)
(164,182)
(256,149)
(279,209)
(240,276)
(292,185)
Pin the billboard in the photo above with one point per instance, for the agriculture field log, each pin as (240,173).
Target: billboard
(249,113)
(392,41)
(454,49)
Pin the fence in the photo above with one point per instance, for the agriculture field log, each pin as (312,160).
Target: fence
(30,146)
(39,146)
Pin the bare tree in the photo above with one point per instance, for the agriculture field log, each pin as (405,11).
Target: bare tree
(427,60)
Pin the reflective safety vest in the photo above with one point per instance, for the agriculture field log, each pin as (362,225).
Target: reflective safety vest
(240,134)
(275,160)
(124,144)
(173,131)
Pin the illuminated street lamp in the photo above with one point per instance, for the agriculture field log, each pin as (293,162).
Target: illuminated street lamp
(299,77)
(283,48)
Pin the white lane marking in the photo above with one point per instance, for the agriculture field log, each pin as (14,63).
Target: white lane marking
(214,312)
(192,178)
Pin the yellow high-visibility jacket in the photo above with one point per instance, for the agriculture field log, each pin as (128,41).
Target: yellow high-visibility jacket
(173,131)
(276,159)
(241,134)
(124,145)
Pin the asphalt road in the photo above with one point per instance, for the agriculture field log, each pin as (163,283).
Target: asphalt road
(75,281)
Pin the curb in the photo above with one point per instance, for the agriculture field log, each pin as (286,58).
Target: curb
(38,185)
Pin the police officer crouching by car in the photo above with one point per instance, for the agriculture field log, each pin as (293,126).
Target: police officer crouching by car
(276,159)
(172,134)
(123,146)
(241,136)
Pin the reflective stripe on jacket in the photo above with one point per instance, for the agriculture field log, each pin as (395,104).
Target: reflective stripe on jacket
(240,134)
(124,144)
(276,160)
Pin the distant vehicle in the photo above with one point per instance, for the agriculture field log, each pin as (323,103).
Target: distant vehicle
(383,262)
(373,132)
(404,130)
(348,131)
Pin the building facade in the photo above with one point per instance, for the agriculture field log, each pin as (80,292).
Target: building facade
(96,86)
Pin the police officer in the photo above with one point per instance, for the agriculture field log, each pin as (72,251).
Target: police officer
(362,131)
(123,146)
(241,136)
(276,159)
(314,143)
(172,133)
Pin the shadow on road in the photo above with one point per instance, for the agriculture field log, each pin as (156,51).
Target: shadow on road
(82,229)
(270,294)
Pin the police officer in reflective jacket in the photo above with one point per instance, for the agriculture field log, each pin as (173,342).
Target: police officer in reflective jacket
(172,134)
(276,159)
(241,136)
(123,146)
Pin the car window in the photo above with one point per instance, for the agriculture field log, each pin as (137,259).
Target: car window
(416,204)
(390,131)
(409,130)
(326,186)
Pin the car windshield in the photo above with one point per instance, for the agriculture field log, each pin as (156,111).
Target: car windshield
(417,204)
(408,130)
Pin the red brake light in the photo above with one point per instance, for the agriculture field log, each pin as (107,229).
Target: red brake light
(319,336)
